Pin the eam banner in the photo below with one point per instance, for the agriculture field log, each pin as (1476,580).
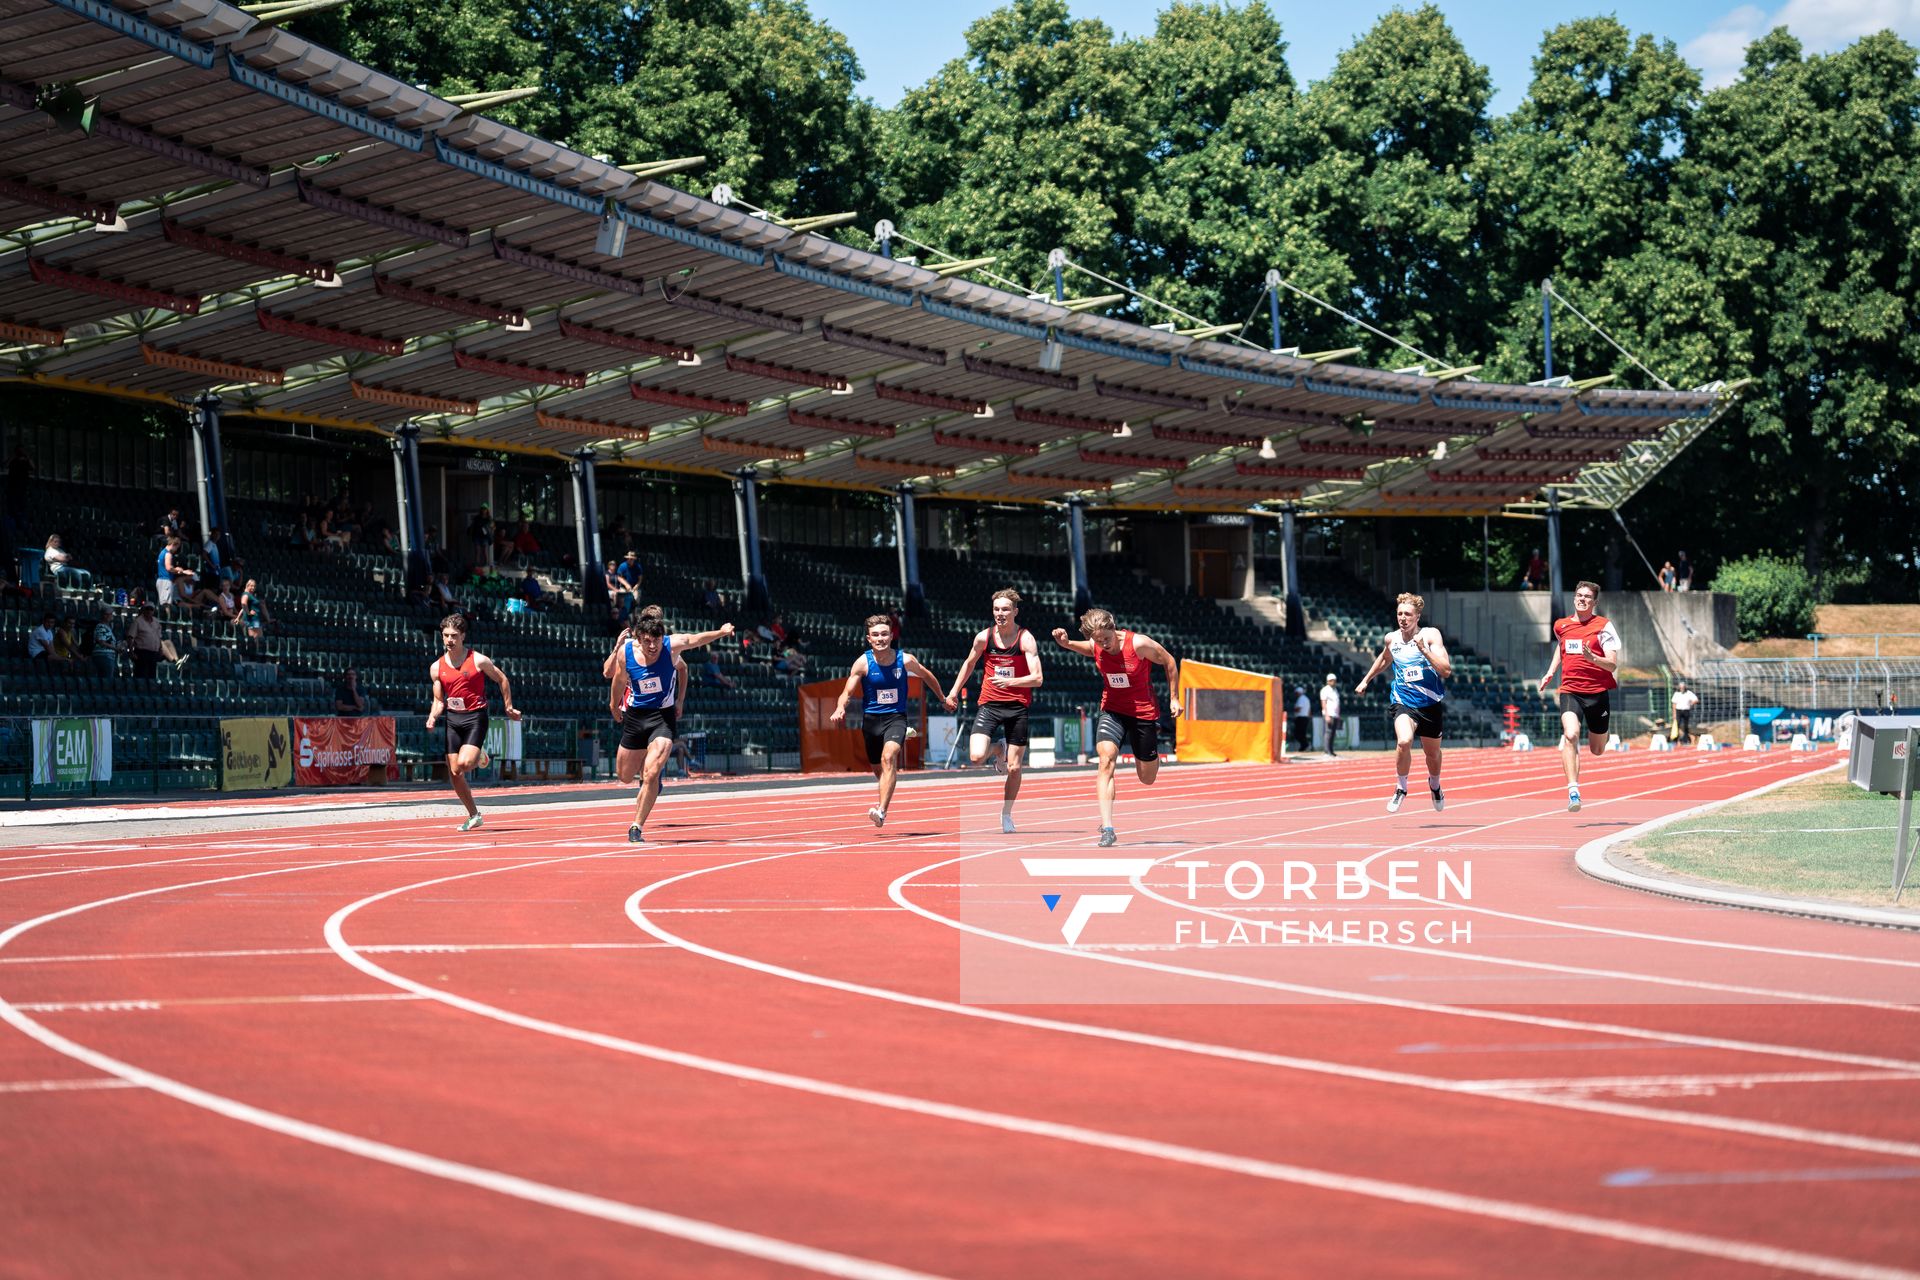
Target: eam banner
(255,754)
(67,752)
(332,752)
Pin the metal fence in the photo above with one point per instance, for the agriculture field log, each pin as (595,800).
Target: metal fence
(159,755)
(1730,689)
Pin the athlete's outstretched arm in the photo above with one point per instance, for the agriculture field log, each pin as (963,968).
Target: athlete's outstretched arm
(915,667)
(966,668)
(1436,651)
(1379,664)
(1153,651)
(439,696)
(846,691)
(1082,647)
(1552,667)
(499,677)
(697,639)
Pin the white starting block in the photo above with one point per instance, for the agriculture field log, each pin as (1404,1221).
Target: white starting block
(1660,743)
(1521,742)
(1614,743)
(1750,743)
(1705,742)
(1801,742)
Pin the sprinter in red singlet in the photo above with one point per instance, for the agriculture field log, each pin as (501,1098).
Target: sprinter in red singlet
(1586,654)
(1128,712)
(460,678)
(1010,674)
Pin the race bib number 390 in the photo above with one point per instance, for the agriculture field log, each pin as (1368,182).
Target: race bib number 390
(1119,680)
(1575,646)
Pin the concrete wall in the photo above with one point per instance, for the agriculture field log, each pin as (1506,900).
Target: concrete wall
(1680,630)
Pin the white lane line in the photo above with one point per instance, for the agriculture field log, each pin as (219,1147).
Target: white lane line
(66,1086)
(1732,1080)
(1297,1175)
(255,953)
(642,917)
(143,1005)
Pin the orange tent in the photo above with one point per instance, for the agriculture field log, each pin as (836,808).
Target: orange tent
(1229,714)
(825,749)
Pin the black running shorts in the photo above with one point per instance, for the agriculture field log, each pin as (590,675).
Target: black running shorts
(1009,718)
(466,729)
(1429,721)
(879,730)
(1594,709)
(1130,733)
(640,726)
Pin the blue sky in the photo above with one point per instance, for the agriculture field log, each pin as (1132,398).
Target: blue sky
(900,47)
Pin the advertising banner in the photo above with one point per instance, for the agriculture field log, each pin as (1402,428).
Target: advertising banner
(331,752)
(72,751)
(255,754)
(505,739)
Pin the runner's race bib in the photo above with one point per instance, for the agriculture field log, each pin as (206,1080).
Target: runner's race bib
(456,704)
(649,684)
(886,697)
(1119,680)
(1575,646)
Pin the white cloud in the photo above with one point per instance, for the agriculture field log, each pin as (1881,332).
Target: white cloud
(1821,25)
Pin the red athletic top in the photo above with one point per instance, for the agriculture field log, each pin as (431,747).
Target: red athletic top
(1576,639)
(1128,691)
(1008,662)
(465,686)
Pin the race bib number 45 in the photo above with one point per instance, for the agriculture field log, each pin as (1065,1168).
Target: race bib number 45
(456,704)
(1119,680)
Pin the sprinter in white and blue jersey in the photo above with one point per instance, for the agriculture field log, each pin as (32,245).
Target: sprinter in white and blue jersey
(881,672)
(646,671)
(1418,706)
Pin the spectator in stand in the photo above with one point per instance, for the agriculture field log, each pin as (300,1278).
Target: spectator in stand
(1669,580)
(65,655)
(534,594)
(106,646)
(441,597)
(40,641)
(144,640)
(792,663)
(254,618)
(338,538)
(171,525)
(1684,701)
(633,574)
(712,676)
(348,701)
(715,600)
(61,567)
(171,574)
(1536,574)
(1682,572)
(525,545)
(1330,709)
(480,536)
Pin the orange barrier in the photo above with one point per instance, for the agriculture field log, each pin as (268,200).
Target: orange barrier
(1230,715)
(826,749)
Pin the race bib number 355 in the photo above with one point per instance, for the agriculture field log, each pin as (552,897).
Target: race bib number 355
(886,697)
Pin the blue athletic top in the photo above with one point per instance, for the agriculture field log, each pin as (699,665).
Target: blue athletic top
(886,687)
(649,685)
(160,564)
(1415,682)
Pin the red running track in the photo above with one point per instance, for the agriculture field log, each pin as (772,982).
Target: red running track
(379,1048)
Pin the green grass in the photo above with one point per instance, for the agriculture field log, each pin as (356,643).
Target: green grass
(1820,838)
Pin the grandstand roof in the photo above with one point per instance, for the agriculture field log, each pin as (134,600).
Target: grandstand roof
(253,214)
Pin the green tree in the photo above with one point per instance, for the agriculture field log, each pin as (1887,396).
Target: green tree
(760,87)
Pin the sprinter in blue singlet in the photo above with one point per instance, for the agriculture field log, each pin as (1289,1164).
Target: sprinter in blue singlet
(643,701)
(880,675)
(1418,694)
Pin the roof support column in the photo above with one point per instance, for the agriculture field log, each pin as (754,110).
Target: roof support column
(586,534)
(210,481)
(412,504)
(747,508)
(1557,605)
(1077,552)
(1290,572)
(907,536)
(1546,324)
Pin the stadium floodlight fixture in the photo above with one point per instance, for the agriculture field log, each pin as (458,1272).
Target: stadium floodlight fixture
(1266,448)
(612,238)
(1052,355)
